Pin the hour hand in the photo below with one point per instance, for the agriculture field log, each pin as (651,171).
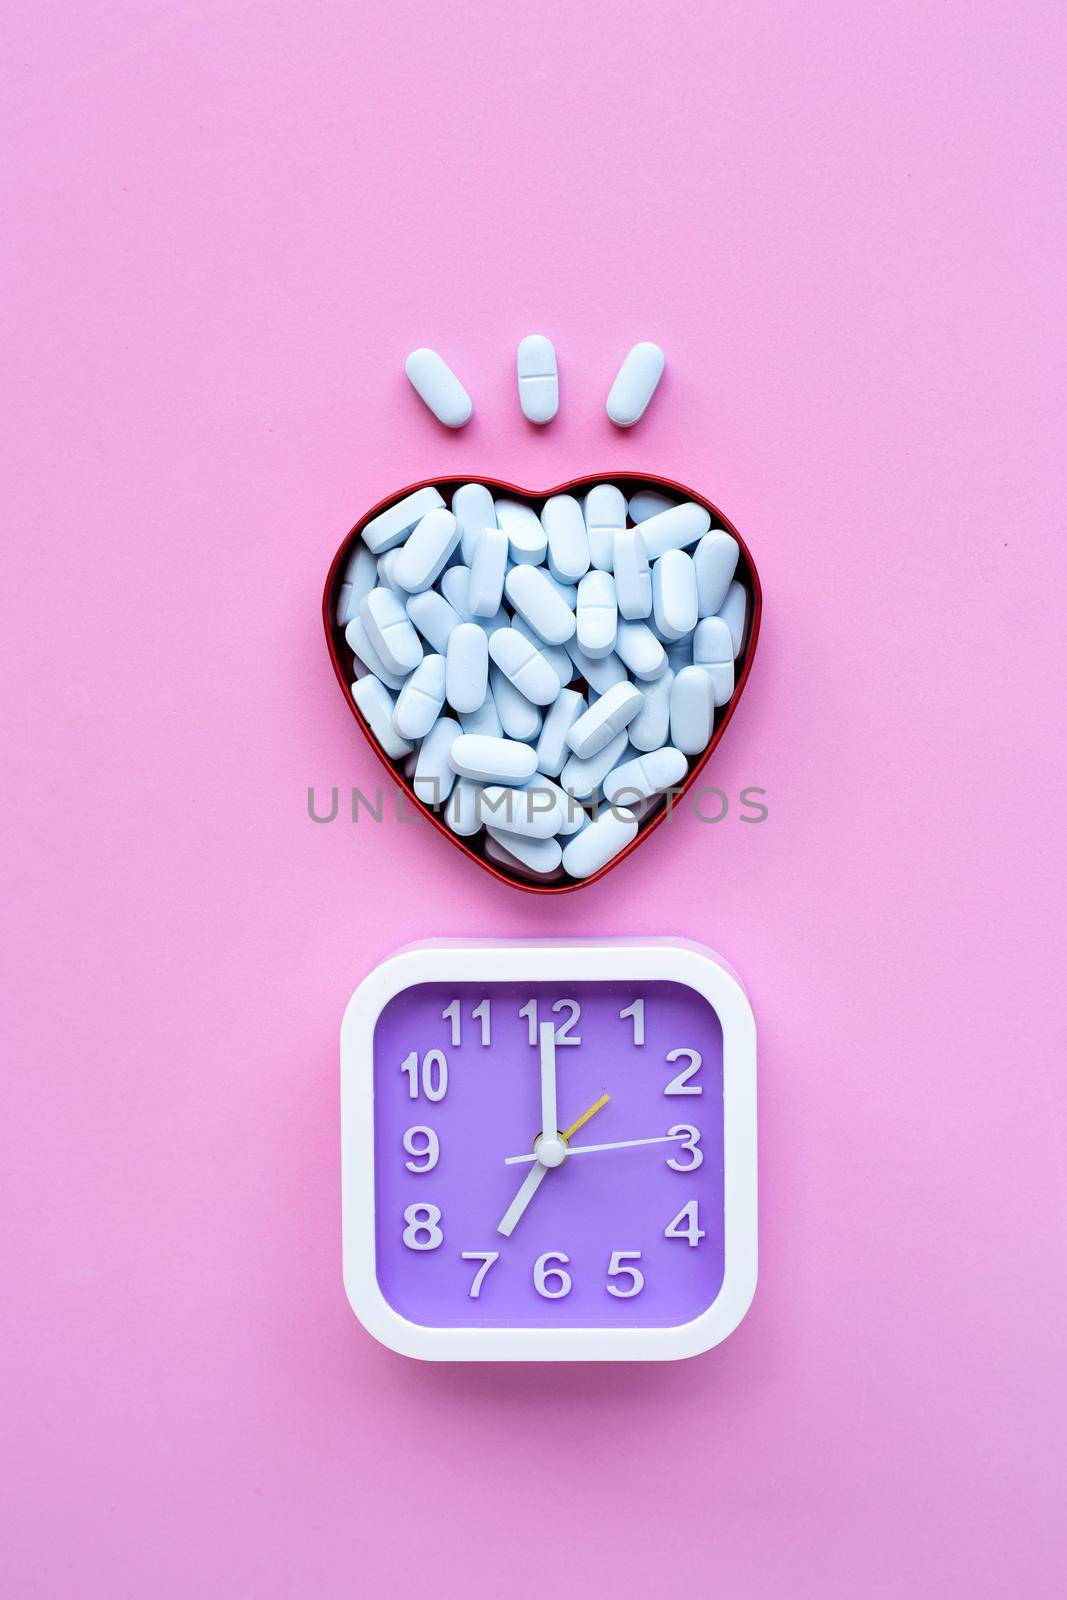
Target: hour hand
(530,1185)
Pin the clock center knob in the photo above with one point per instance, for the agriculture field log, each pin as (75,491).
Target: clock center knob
(551,1152)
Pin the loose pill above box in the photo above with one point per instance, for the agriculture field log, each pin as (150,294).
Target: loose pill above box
(538,378)
(635,384)
(438,388)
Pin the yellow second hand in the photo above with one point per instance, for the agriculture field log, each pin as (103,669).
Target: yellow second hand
(584,1118)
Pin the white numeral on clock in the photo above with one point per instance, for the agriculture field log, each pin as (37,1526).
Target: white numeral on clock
(686,1226)
(617,1268)
(689,1143)
(637,1012)
(480,1013)
(563,1029)
(563,1032)
(681,1084)
(427,1152)
(433,1077)
(544,1270)
(486,1257)
(422,1232)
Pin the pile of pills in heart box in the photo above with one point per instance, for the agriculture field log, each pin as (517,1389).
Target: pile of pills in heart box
(544,676)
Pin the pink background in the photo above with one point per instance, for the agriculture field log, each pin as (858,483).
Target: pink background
(228,224)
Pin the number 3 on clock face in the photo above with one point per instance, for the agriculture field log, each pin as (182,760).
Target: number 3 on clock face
(549,1150)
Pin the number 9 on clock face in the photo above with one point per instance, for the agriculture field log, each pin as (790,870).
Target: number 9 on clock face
(548,1150)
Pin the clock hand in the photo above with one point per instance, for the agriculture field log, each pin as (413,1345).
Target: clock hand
(568,1133)
(530,1185)
(546,1034)
(587,1149)
(533,1179)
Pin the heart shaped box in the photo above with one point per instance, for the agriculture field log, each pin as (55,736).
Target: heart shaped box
(630,483)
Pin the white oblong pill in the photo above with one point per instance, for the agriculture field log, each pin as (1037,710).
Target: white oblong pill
(598,614)
(467,677)
(644,776)
(568,592)
(386,573)
(582,776)
(434,772)
(554,654)
(680,654)
(675,529)
(599,842)
(538,857)
(526,537)
(433,617)
(455,586)
(573,812)
(377,705)
(600,673)
(357,580)
(648,503)
(489,563)
(552,747)
(462,812)
(638,649)
(605,514)
(519,717)
(487,760)
(605,718)
(568,540)
(523,665)
(633,577)
(713,649)
(534,811)
(715,559)
(419,703)
(674,594)
(390,631)
(539,601)
(692,710)
(483,719)
(426,550)
(733,612)
(438,387)
(474,510)
(635,384)
(392,526)
(538,378)
(651,726)
(359,643)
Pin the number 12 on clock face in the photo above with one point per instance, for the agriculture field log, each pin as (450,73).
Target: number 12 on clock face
(549,1151)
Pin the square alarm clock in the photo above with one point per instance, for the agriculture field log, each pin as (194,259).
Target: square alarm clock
(549,1150)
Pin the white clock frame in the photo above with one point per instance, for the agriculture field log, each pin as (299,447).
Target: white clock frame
(651,960)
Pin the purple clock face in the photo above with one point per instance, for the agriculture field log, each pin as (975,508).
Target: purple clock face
(624,1236)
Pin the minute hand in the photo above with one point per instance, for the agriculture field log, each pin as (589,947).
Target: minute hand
(588,1149)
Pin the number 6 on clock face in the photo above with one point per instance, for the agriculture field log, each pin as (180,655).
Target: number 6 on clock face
(514,1184)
